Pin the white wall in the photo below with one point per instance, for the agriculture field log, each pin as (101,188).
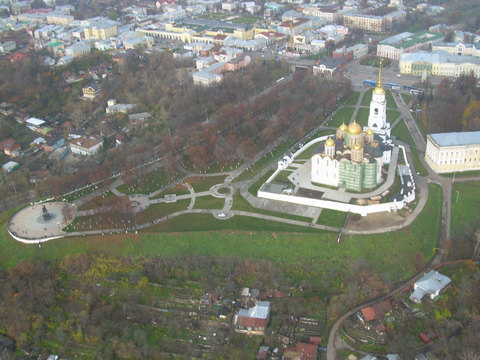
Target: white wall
(326,204)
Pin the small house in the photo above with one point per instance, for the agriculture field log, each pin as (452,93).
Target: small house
(431,284)
(10,166)
(253,320)
(91,91)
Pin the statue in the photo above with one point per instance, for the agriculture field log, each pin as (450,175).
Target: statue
(46,214)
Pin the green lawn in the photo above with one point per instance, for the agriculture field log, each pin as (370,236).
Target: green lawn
(362,116)
(465,208)
(417,163)
(343,115)
(204,183)
(208,202)
(282,178)
(389,254)
(352,99)
(421,235)
(193,224)
(406,98)
(392,115)
(156,211)
(145,184)
(390,100)
(402,133)
(332,218)
(308,152)
(264,161)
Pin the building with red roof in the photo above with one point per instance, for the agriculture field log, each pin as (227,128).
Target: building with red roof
(368,313)
(301,351)
(17,57)
(253,320)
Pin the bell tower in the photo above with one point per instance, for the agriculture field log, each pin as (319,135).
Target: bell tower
(377,119)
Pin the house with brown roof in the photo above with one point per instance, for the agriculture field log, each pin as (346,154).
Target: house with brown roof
(376,311)
(301,351)
(85,146)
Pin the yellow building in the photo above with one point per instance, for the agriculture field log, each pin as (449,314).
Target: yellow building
(239,33)
(60,19)
(101,30)
(171,32)
(438,64)
(365,22)
(453,152)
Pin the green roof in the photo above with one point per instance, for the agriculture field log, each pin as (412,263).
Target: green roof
(53,44)
(419,37)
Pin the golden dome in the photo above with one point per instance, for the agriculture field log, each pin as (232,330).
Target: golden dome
(369,131)
(356,147)
(379,91)
(354,128)
(343,127)
(329,142)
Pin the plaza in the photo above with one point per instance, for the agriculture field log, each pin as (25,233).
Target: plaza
(30,225)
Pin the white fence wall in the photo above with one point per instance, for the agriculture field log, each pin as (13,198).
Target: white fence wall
(326,204)
(363,210)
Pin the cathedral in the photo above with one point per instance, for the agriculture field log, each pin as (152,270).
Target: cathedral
(353,159)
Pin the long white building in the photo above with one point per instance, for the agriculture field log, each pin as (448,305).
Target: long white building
(453,152)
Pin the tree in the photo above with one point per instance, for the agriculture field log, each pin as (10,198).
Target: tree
(198,156)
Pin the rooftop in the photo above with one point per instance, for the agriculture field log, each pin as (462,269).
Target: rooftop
(406,39)
(35,122)
(433,281)
(259,311)
(456,138)
(438,57)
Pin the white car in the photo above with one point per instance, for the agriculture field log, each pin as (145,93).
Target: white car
(221,215)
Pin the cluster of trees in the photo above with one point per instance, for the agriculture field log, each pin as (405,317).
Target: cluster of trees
(237,131)
(455,106)
(59,308)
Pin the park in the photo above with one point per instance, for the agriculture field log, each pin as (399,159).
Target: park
(218,214)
